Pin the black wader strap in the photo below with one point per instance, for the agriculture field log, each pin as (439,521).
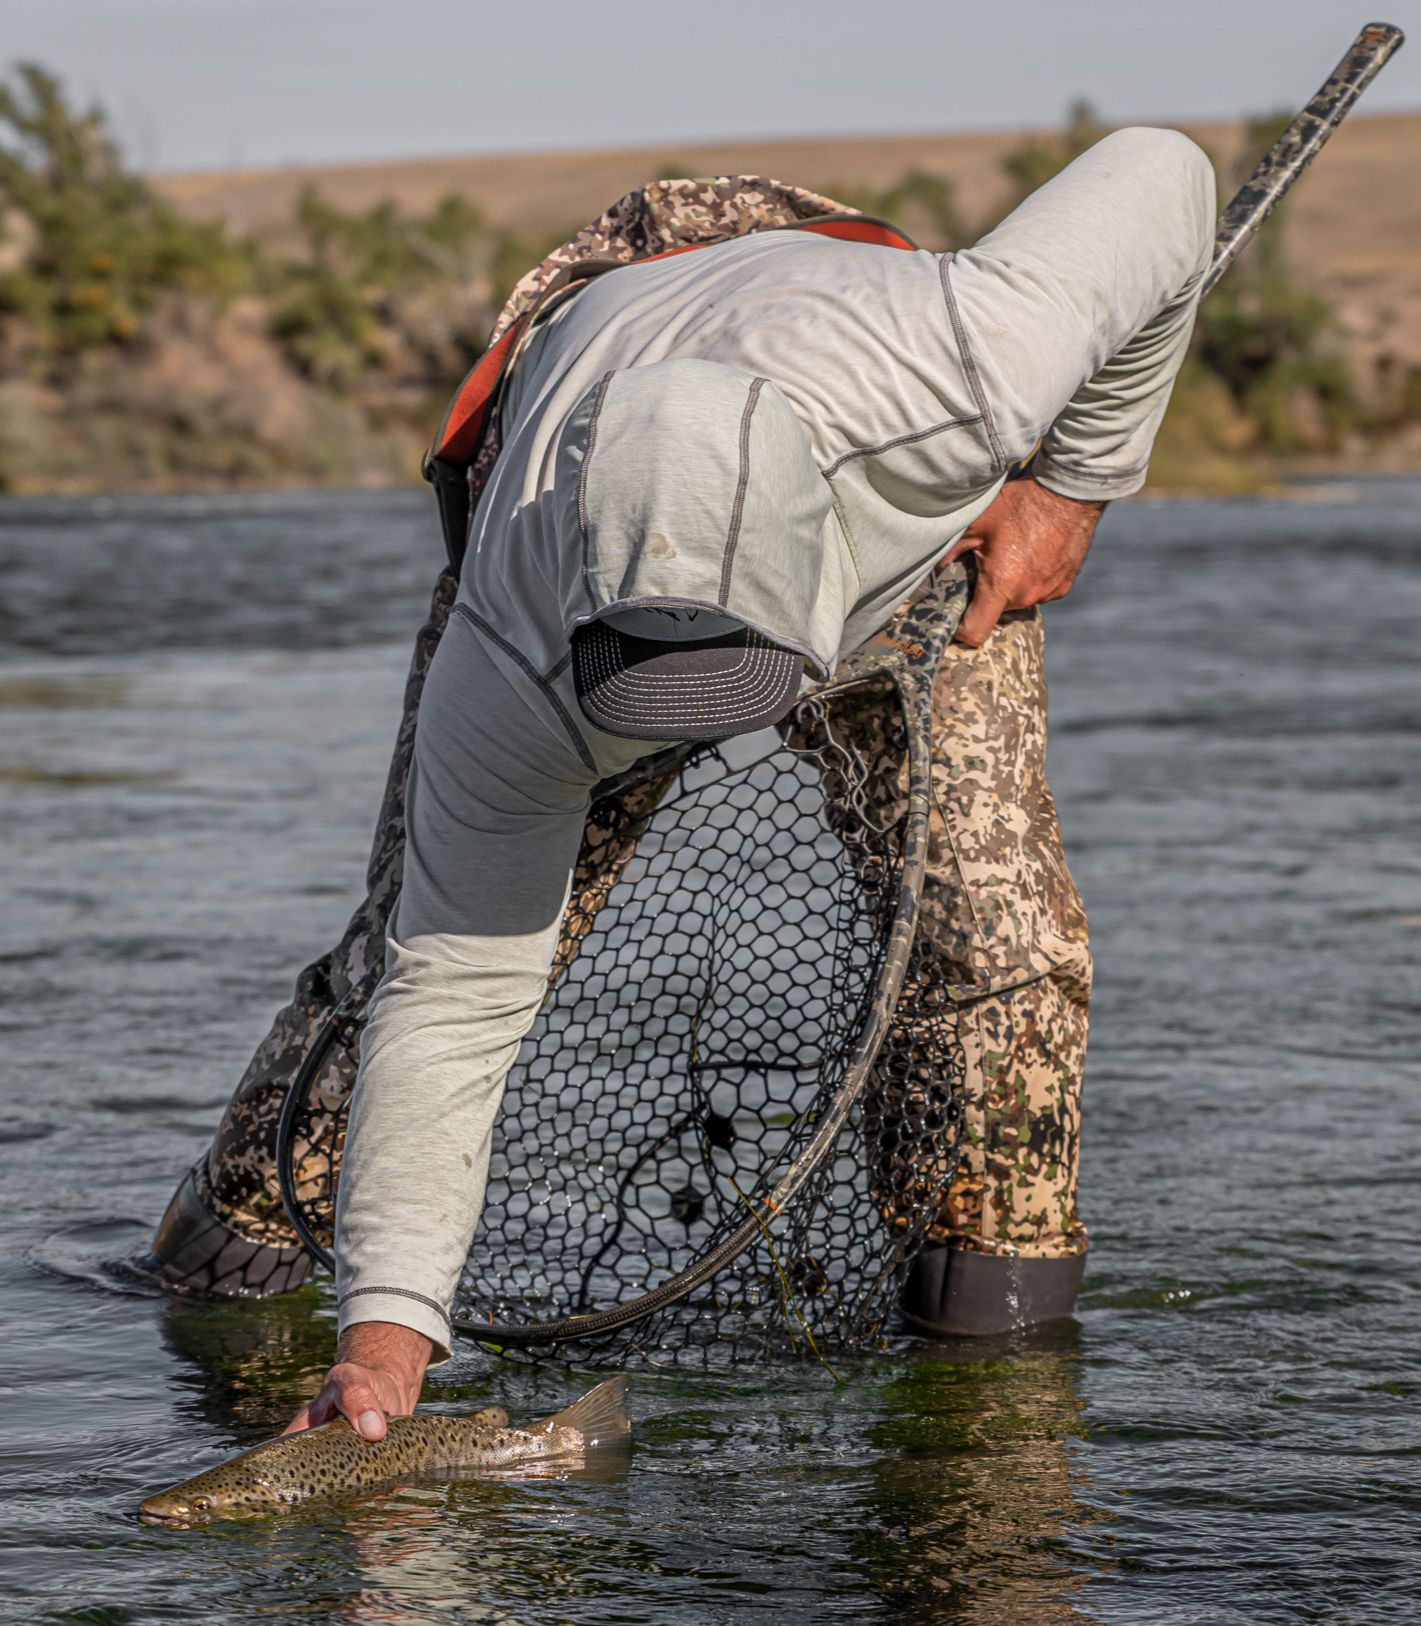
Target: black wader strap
(452,494)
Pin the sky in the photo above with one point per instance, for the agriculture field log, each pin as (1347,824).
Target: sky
(203,84)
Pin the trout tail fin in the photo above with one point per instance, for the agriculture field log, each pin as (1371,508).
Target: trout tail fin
(600,1416)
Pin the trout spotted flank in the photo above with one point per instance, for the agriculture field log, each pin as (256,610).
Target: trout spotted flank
(334,1460)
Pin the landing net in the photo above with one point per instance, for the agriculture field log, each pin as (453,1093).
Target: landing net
(729,939)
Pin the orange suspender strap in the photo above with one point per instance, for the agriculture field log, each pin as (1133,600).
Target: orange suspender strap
(448,462)
(857,229)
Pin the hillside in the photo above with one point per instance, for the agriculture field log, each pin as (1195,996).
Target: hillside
(1354,228)
(305,326)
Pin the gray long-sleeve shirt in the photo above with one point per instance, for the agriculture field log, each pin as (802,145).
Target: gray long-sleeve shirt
(920,379)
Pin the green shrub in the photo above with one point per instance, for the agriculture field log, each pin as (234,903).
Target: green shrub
(343,305)
(96,246)
(1272,342)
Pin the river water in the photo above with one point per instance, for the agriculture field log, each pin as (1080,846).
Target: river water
(196,702)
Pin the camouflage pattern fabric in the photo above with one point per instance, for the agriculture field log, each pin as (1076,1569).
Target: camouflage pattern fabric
(1003,933)
(672,214)
(1001,915)
(1001,910)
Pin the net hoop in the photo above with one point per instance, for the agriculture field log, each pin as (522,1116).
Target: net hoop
(906,654)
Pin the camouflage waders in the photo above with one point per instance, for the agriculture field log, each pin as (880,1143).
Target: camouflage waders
(1000,912)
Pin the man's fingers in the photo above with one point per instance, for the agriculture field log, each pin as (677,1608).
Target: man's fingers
(364,1395)
(314,1413)
(982,614)
(359,1403)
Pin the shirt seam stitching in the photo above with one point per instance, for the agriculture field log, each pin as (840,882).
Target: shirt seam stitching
(553,699)
(582,474)
(846,531)
(397,1292)
(737,511)
(896,442)
(969,362)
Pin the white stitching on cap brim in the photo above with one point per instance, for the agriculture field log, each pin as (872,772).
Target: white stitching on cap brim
(629,699)
(663,693)
(648,699)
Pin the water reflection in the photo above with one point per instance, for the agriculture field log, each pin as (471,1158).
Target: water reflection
(50,692)
(247,1365)
(478,1549)
(421,1551)
(975,1488)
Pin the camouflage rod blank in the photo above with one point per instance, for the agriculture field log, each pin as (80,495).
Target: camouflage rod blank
(1300,143)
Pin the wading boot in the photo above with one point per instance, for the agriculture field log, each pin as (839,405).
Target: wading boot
(954,1293)
(195,1251)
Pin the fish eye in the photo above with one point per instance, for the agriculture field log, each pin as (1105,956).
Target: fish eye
(202,1504)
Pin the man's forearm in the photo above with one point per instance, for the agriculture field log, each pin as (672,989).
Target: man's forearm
(1099,447)
(400,1351)
(444,1030)
(1100,444)
(1079,306)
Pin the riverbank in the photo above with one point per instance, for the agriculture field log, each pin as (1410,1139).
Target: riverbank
(305,327)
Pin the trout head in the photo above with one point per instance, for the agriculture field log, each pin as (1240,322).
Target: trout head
(179,1506)
(217,1494)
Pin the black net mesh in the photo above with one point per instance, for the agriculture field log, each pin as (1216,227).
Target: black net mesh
(728,936)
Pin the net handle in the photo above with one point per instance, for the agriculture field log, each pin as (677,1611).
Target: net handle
(1300,143)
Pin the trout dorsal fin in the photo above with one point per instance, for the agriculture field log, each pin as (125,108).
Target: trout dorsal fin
(489,1417)
(600,1416)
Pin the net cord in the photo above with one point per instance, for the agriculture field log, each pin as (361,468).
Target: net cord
(907,653)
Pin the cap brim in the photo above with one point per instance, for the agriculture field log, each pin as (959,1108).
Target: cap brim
(650,689)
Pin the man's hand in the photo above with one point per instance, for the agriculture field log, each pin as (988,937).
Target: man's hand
(1030,546)
(378,1375)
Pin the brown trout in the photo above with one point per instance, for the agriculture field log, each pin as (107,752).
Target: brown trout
(333,1460)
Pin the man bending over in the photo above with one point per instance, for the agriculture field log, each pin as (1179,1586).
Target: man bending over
(721,472)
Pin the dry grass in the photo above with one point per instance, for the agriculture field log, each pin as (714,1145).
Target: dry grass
(1356,217)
